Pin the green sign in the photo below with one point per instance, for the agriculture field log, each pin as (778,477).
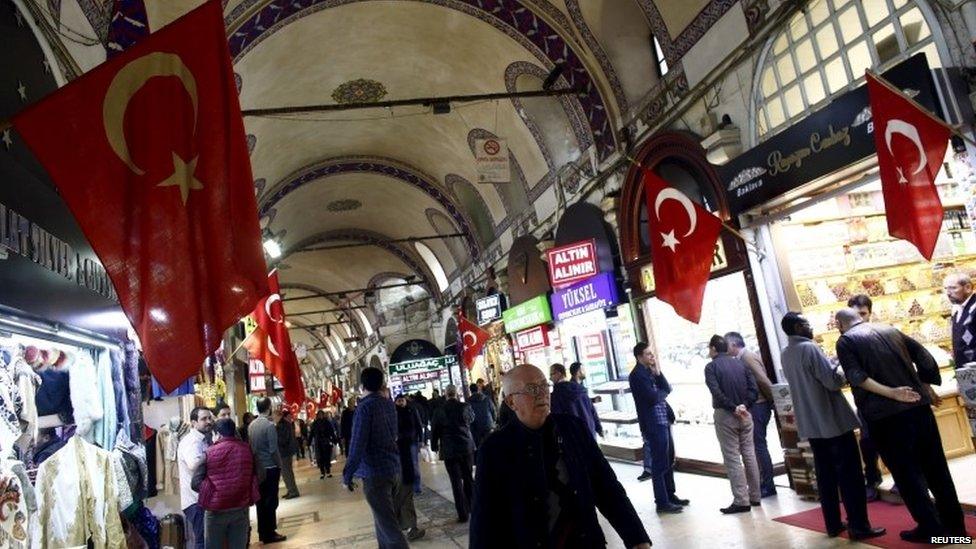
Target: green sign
(421,365)
(526,315)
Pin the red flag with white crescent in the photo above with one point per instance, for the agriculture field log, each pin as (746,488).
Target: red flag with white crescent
(473,339)
(271,344)
(683,236)
(911,148)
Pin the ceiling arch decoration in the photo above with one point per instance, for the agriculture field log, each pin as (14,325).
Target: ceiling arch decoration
(335,304)
(409,258)
(680,25)
(442,225)
(508,16)
(381,166)
(380,278)
(477,209)
(573,7)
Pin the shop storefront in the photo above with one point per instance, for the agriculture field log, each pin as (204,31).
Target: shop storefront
(528,296)
(497,351)
(812,198)
(529,325)
(418,365)
(730,303)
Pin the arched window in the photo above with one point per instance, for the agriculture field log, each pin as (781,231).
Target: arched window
(825,50)
(365,322)
(433,264)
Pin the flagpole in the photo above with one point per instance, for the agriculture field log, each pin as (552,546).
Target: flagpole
(891,87)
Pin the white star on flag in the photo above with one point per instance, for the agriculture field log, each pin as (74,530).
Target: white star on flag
(669,240)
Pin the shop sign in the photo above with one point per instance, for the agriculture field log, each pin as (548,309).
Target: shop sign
(533,338)
(599,292)
(419,376)
(420,365)
(720,260)
(528,314)
(832,138)
(572,263)
(491,160)
(490,308)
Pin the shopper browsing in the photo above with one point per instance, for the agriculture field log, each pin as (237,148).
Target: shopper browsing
(263,438)
(190,455)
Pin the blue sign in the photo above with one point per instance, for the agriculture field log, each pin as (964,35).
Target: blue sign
(597,292)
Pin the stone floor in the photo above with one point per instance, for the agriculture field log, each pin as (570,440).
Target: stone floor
(326,515)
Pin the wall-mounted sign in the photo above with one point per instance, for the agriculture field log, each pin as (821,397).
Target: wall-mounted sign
(527,315)
(572,263)
(491,160)
(835,136)
(421,365)
(419,376)
(599,292)
(490,308)
(719,261)
(533,338)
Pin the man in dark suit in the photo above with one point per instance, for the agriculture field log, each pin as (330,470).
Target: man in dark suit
(890,374)
(959,289)
(542,477)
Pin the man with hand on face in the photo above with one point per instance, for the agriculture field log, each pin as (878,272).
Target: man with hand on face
(190,455)
(650,390)
(890,374)
(541,478)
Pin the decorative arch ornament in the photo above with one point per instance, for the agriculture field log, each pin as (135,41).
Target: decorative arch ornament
(511,17)
(374,165)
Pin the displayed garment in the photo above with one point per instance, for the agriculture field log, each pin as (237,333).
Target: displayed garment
(28,383)
(106,426)
(53,396)
(149,438)
(15,505)
(148,526)
(78,499)
(133,459)
(85,395)
(133,388)
(167,444)
(122,487)
(117,358)
(186,388)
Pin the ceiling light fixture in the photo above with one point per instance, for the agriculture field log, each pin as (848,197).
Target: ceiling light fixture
(272,248)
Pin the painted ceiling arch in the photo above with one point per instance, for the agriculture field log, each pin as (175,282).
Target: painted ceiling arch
(511,17)
(378,166)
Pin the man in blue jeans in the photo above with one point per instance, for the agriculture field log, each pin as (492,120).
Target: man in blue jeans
(650,390)
(375,458)
(761,411)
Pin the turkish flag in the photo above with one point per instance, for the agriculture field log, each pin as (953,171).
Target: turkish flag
(148,151)
(911,148)
(473,339)
(271,344)
(683,237)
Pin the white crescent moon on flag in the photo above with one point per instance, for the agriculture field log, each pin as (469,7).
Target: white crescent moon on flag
(911,132)
(271,348)
(474,339)
(675,194)
(267,308)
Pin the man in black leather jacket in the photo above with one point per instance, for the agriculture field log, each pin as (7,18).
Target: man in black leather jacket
(451,438)
(542,477)
(890,375)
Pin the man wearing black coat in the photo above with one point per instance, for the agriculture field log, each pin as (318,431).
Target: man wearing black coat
(451,437)
(542,477)
(408,432)
(345,425)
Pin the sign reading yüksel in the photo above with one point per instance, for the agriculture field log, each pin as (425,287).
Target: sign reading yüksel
(831,138)
(572,263)
(533,338)
(490,308)
(598,292)
(527,315)
(491,160)
(420,365)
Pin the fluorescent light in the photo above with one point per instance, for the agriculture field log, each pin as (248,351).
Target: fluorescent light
(272,248)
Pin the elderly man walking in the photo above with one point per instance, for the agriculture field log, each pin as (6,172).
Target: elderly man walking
(733,393)
(541,479)
(451,437)
(825,419)
(890,375)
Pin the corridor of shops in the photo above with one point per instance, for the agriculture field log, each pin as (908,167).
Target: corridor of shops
(517,273)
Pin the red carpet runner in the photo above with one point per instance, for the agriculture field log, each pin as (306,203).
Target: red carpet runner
(888,515)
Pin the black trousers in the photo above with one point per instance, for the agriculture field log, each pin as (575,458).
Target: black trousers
(459,469)
(910,445)
(872,474)
(267,505)
(323,455)
(838,466)
(669,476)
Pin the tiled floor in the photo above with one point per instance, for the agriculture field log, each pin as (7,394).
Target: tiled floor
(328,516)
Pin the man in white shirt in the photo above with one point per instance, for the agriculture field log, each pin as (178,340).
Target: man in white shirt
(190,454)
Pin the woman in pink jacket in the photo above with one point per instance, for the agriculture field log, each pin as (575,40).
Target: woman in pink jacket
(228,486)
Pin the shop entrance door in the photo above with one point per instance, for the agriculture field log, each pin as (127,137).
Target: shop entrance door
(681,348)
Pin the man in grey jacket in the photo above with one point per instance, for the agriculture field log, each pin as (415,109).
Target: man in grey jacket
(263,438)
(826,420)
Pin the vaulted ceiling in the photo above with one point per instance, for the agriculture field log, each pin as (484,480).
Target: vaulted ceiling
(370,176)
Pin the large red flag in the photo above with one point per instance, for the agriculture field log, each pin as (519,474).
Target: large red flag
(271,344)
(911,148)
(148,151)
(683,236)
(473,339)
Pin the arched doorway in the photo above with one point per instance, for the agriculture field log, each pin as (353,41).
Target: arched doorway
(730,304)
